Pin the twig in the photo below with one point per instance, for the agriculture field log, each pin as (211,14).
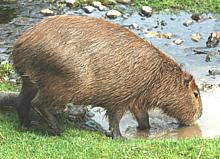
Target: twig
(200,152)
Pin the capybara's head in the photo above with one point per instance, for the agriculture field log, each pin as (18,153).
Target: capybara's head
(182,99)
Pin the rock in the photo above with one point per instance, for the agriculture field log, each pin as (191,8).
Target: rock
(47,12)
(214,72)
(96,4)
(89,9)
(213,39)
(206,87)
(113,14)
(197,17)
(102,8)
(147,11)
(178,41)
(151,33)
(208,58)
(188,23)
(70,1)
(124,1)
(133,26)
(99,5)
(165,36)
(196,37)
(163,23)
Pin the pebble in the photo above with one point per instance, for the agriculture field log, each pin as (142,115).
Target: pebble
(89,9)
(102,8)
(188,23)
(133,26)
(99,5)
(147,11)
(163,23)
(151,33)
(178,41)
(165,36)
(47,12)
(124,1)
(214,72)
(113,14)
(196,37)
(96,4)
(70,1)
(197,17)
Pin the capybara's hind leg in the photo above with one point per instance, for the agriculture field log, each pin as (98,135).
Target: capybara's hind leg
(141,116)
(114,117)
(43,110)
(24,101)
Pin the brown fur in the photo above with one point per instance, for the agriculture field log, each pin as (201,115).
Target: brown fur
(89,61)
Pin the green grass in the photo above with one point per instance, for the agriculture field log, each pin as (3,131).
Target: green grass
(75,143)
(7,70)
(198,6)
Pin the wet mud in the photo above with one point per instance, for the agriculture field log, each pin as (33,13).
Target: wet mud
(195,57)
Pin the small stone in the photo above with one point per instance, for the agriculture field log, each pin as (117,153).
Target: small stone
(178,41)
(163,23)
(188,23)
(197,17)
(214,72)
(196,37)
(147,11)
(151,33)
(124,1)
(47,12)
(133,26)
(102,8)
(113,14)
(172,18)
(165,36)
(89,9)
(208,58)
(70,1)
(96,4)
(167,10)
(213,40)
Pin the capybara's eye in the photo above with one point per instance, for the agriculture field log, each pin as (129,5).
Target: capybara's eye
(196,94)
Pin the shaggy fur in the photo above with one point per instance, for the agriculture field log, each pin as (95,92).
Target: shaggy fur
(89,61)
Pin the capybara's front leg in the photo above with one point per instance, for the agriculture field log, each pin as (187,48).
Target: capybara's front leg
(141,116)
(114,117)
(44,112)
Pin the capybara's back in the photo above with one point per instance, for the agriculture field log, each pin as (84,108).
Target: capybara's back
(89,61)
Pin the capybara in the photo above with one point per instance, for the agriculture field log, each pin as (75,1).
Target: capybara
(89,61)
(213,39)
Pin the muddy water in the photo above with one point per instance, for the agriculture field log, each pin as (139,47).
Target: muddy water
(14,20)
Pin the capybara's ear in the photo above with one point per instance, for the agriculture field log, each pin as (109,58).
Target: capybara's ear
(186,79)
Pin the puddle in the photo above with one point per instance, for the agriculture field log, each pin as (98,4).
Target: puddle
(7,14)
